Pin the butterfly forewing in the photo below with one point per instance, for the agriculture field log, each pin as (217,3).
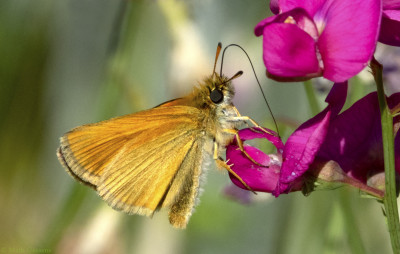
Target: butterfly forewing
(137,172)
(140,180)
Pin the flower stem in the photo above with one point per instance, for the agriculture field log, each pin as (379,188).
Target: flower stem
(390,198)
(312,99)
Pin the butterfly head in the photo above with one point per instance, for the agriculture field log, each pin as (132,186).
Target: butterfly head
(220,90)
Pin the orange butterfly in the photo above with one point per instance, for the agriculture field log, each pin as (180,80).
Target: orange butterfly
(157,158)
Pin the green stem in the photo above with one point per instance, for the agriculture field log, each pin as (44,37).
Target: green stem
(312,99)
(390,198)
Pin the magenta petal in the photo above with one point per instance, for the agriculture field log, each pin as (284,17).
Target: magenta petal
(349,36)
(311,6)
(274,6)
(301,149)
(257,177)
(303,145)
(298,17)
(392,14)
(354,139)
(351,135)
(252,133)
(337,97)
(390,28)
(258,30)
(391,5)
(394,101)
(289,51)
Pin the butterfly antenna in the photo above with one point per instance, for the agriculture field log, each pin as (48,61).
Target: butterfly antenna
(258,82)
(238,74)
(219,47)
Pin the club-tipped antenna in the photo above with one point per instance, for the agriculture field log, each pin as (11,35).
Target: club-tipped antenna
(219,47)
(238,74)
(255,75)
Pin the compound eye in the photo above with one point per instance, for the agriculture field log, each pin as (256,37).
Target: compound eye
(216,96)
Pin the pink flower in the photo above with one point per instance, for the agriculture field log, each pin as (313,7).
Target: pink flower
(342,148)
(332,38)
(390,24)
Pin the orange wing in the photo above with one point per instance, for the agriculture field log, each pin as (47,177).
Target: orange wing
(138,162)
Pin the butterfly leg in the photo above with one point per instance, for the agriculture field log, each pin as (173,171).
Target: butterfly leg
(222,164)
(240,144)
(239,117)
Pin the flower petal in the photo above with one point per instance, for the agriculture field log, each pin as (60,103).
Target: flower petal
(311,6)
(274,6)
(351,136)
(354,139)
(301,149)
(252,133)
(297,16)
(349,36)
(259,178)
(289,52)
(391,5)
(259,29)
(302,146)
(390,28)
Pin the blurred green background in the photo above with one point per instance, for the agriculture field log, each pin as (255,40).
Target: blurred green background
(67,63)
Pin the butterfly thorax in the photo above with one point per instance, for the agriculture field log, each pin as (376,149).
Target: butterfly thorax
(213,98)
